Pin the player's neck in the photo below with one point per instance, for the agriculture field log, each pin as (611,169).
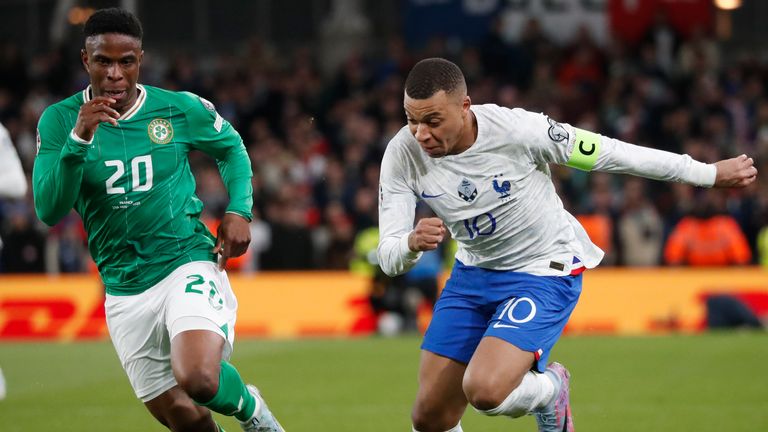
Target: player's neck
(469,135)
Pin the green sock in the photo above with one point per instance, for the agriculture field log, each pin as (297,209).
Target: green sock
(233,398)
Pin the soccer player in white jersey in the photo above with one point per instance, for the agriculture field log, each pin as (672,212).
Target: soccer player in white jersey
(13,184)
(484,172)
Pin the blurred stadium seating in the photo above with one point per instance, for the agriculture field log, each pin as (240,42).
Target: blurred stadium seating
(316,97)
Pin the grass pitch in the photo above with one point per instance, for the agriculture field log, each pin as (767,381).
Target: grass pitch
(714,382)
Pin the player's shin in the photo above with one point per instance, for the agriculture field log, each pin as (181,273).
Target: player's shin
(232,398)
(535,391)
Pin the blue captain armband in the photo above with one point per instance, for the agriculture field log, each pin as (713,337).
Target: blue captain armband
(586,147)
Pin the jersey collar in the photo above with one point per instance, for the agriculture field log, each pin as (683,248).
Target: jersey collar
(133,110)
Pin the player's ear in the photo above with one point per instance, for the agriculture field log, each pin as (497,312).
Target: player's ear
(84,59)
(465,104)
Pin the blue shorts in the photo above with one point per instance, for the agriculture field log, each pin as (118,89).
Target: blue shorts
(527,311)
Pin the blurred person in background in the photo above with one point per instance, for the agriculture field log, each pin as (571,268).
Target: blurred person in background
(708,236)
(483,169)
(116,152)
(599,218)
(398,300)
(640,231)
(290,246)
(24,245)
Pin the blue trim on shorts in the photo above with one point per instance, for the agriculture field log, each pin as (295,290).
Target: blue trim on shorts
(525,310)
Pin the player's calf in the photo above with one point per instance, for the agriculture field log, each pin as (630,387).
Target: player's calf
(428,417)
(176,411)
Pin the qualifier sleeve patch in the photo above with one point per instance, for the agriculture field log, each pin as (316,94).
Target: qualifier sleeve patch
(586,147)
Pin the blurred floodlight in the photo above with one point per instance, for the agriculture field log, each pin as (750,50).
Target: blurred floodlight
(728,4)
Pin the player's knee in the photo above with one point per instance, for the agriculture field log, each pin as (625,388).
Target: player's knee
(201,385)
(484,393)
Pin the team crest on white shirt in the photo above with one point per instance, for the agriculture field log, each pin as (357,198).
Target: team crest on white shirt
(467,190)
(501,188)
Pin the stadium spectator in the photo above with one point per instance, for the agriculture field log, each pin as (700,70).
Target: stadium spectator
(66,247)
(24,244)
(707,237)
(640,231)
(598,220)
(762,246)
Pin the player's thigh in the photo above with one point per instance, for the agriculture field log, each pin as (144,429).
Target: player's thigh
(177,411)
(496,369)
(440,398)
(137,329)
(201,298)
(530,315)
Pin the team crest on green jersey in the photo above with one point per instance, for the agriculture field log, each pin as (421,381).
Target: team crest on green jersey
(160,131)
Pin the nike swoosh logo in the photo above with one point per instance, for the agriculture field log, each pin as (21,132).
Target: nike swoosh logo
(426,195)
(500,325)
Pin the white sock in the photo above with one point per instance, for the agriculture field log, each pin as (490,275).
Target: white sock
(456,428)
(2,385)
(535,391)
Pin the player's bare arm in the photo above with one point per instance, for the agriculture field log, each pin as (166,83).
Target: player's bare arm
(735,172)
(232,238)
(93,112)
(427,234)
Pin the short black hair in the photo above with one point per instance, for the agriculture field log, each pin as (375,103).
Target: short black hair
(113,20)
(431,75)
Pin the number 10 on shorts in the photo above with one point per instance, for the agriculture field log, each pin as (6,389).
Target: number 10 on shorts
(508,313)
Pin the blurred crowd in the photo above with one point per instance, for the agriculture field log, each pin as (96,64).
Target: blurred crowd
(316,140)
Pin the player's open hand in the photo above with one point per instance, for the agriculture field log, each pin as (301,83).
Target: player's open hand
(735,172)
(95,111)
(232,238)
(427,234)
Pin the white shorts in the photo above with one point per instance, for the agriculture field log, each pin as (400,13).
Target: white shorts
(195,296)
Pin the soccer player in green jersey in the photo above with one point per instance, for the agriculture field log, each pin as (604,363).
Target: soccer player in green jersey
(117,153)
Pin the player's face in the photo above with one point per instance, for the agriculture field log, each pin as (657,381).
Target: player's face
(439,123)
(112,61)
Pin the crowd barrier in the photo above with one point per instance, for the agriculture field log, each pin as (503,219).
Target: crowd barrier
(308,304)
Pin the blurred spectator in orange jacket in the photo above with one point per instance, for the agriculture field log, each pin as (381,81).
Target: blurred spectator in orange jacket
(708,237)
(639,228)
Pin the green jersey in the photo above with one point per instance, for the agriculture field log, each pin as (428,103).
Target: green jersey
(132,185)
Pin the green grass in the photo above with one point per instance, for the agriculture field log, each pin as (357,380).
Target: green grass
(715,382)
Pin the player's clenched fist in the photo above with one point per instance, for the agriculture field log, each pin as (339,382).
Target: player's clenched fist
(735,172)
(427,234)
(93,112)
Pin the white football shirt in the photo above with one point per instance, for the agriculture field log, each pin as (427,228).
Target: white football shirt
(13,182)
(497,199)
